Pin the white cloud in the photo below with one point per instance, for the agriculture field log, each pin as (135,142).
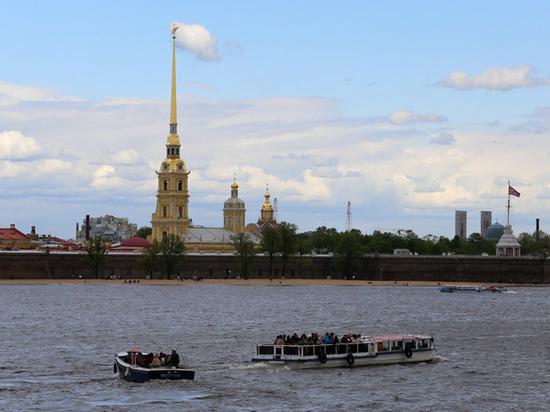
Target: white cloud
(495,78)
(313,159)
(403,117)
(197,40)
(444,138)
(15,146)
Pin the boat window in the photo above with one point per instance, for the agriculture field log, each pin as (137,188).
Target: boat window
(265,350)
(397,345)
(291,350)
(410,344)
(308,350)
(330,349)
(343,348)
(424,344)
(363,347)
(386,345)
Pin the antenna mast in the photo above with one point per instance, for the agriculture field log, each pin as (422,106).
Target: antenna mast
(348,218)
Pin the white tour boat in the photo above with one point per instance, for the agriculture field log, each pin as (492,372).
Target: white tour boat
(373,350)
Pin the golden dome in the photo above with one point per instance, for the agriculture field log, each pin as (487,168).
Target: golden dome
(267,205)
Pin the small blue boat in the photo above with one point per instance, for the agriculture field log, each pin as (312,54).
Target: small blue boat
(136,366)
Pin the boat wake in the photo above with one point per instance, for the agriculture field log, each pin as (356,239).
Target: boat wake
(439,358)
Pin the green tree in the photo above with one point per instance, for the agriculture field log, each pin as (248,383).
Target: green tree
(149,260)
(144,231)
(535,243)
(96,254)
(324,240)
(171,254)
(287,243)
(348,253)
(245,250)
(268,246)
(303,252)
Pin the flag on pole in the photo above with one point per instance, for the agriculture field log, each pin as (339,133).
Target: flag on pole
(512,191)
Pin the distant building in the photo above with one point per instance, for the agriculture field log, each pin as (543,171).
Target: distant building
(495,231)
(508,245)
(110,228)
(486,217)
(13,239)
(460,224)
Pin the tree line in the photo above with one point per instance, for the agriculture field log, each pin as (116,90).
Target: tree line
(283,244)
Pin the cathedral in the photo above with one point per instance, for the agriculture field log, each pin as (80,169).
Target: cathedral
(172,212)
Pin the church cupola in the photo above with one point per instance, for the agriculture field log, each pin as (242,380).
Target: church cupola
(234,211)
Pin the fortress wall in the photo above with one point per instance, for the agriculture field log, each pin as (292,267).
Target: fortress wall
(487,269)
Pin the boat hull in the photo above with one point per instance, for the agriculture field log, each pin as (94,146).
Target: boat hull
(141,374)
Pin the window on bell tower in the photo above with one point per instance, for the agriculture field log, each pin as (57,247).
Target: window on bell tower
(164,211)
(180,185)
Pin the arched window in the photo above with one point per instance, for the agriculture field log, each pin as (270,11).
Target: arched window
(230,220)
(238,221)
(178,151)
(164,211)
(180,211)
(168,152)
(164,234)
(173,151)
(165,185)
(180,185)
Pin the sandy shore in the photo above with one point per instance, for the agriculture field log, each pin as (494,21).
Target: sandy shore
(277,282)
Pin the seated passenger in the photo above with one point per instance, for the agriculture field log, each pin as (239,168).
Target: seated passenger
(279,340)
(327,340)
(303,339)
(156,361)
(173,359)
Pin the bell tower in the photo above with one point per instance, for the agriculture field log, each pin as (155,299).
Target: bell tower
(234,211)
(171,215)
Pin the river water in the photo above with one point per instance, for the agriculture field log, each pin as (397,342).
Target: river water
(58,346)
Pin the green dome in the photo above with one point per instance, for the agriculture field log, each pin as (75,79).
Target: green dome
(495,231)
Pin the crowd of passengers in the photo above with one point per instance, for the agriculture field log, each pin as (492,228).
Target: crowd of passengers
(316,339)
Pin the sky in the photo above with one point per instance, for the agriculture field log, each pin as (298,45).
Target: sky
(408,110)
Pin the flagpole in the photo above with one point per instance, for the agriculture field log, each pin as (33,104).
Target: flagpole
(508,223)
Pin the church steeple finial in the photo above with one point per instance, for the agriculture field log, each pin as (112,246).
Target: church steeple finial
(173,138)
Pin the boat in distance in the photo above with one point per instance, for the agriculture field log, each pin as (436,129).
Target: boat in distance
(367,351)
(133,365)
(471,288)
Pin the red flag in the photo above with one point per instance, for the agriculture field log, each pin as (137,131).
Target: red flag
(512,191)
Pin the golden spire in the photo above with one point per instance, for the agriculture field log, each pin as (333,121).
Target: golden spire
(173,138)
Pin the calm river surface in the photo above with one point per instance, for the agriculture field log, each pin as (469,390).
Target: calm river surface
(58,345)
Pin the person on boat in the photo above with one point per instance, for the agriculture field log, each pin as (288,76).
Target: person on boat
(327,340)
(293,340)
(173,359)
(303,339)
(156,361)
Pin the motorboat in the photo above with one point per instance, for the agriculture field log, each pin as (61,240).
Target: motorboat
(135,365)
